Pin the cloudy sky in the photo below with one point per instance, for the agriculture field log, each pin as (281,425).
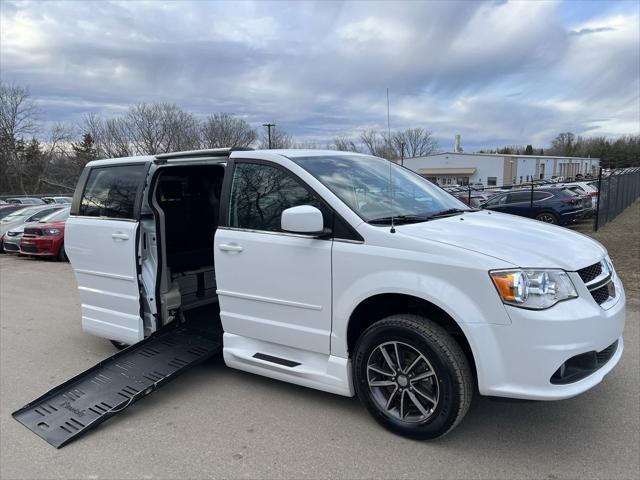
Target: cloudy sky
(500,72)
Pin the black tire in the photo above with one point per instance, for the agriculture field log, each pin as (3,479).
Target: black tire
(548,217)
(119,345)
(451,383)
(62,254)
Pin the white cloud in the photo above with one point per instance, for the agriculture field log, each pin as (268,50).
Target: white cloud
(498,72)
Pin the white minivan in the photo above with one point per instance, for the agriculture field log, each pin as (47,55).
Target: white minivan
(346,273)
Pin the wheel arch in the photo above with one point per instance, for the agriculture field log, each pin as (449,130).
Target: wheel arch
(379,306)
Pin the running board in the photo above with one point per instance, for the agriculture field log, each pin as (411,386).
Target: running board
(85,401)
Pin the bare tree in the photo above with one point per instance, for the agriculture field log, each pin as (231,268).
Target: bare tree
(183,130)
(18,119)
(18,113)
(146,129)
(279,139)
(225,130)
(112,136)
(160,128)
(564,144)
(344,144)
(53,159)
(414,142)
(379,145)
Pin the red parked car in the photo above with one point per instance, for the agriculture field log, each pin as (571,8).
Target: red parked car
(46,239)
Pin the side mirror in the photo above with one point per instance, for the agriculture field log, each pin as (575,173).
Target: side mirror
(303,219)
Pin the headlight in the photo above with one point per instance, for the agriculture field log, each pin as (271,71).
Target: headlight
(534,289)
(12,234)
(50,231)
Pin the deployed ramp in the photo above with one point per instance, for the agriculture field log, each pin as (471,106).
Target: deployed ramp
(69,410)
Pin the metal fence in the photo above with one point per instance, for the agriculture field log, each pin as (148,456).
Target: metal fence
(617,189)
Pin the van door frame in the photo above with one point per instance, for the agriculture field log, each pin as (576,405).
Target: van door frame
(137,207)
(159,167)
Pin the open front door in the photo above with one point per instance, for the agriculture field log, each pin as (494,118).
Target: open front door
(101,243)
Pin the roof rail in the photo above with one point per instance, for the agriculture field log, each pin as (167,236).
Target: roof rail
(210,152)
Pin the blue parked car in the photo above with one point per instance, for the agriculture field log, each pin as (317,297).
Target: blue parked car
(551,205)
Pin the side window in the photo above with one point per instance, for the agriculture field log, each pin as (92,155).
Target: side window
(540,196)
(260,193)
(518,197)
(497,200)
(112,191)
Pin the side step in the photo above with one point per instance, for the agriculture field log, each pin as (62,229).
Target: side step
(83,402)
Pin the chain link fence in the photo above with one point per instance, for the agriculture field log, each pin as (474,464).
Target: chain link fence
(617,189)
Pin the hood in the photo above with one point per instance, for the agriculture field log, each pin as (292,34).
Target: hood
(5,226)
(57,224)
(517,240)
(19,229)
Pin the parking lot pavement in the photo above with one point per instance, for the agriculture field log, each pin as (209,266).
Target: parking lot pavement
(222,423)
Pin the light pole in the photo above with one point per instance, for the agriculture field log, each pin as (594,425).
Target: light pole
(269,126)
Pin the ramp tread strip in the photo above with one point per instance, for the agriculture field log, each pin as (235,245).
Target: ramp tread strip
(83,402)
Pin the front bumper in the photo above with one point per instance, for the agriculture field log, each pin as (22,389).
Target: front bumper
(572,216)
(39,247)
(11,244)
(519,360)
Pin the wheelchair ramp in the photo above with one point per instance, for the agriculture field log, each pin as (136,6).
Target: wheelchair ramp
(83,402)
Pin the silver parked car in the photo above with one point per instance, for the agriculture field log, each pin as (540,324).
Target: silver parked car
(26,200)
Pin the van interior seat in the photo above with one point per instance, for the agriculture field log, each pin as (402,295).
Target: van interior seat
(190,203)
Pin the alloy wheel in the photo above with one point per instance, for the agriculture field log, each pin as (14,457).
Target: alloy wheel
(402,382)
(547,218)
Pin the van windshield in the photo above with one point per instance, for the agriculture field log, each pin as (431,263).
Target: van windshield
(362,182)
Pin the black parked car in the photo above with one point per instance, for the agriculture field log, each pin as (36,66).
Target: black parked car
(550,205)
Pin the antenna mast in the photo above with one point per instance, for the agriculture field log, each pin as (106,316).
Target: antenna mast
(393,230)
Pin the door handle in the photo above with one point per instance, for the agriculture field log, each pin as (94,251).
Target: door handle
(120,236)
(230,247)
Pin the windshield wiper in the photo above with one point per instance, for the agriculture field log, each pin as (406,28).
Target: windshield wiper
(399,219)
(450,212)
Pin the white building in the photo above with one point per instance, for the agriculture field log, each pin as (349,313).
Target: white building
(493,169)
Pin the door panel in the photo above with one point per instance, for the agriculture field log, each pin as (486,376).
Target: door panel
(103,255)
(275,287)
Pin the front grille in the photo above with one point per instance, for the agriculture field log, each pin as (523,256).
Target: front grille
(589,273)
(11,247)
(600,295)
(32,231)
(29,248)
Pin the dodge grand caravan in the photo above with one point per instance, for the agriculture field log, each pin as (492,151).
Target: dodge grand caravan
(345,273)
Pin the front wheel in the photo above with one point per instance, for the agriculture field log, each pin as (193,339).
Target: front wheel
(62,254)
(412,376)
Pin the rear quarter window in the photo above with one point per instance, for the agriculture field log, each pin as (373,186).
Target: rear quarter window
(541,196)
(113,192)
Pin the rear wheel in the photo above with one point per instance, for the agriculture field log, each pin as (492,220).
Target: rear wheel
(119,345)
(412,376)
(547,217)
